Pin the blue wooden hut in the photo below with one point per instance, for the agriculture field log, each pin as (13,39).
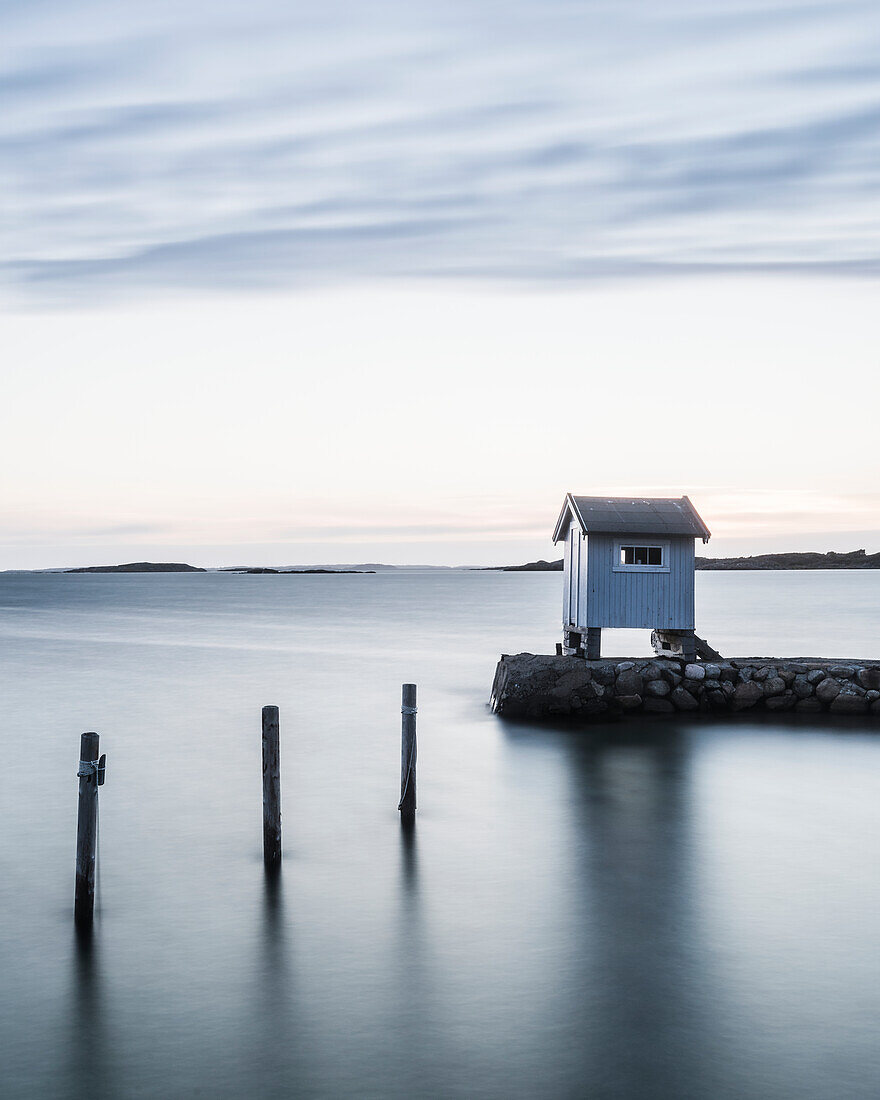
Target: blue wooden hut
(629,563)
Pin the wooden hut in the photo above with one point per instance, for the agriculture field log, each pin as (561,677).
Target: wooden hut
(629,563)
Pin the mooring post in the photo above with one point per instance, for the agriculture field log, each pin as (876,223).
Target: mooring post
(271,788)
(408,711)
(90,773)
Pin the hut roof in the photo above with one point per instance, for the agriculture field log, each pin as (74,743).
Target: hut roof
(632,516)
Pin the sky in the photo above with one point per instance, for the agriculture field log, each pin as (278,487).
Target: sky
(341,282)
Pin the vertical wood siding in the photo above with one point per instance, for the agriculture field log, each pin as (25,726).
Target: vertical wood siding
(583,574)
(639,600)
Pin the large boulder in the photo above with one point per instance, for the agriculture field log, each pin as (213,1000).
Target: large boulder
(653,705)
(827,690)
(747,694)
(781,702)
(849,703)
(683,700)
(869,678)
(629,682)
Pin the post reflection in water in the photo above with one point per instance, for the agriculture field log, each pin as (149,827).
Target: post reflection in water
(90,1059)
(409,867)
(279,1056)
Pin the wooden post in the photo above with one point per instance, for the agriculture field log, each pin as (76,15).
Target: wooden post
(408,710)
(86,831)
(271,788)
(689,646)
(594,642)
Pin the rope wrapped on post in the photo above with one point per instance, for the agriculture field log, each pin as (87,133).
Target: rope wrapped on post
(97,768)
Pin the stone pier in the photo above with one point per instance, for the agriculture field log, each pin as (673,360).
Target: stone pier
(529,685)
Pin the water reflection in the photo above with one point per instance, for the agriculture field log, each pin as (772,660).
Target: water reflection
(90,1059)
(409,859)
(654,1011)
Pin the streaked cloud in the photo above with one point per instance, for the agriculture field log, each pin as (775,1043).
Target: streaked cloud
(264,144)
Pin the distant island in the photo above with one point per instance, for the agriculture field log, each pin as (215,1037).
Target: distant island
(852,559)
(182,567)
(141,567)
(265,569)
(540,566)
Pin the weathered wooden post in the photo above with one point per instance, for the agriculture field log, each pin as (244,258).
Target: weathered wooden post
(408,711)
(91,775)
(271,788)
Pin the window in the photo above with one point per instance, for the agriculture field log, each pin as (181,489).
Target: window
(641,555)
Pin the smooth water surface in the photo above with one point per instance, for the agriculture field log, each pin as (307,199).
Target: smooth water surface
(668,909)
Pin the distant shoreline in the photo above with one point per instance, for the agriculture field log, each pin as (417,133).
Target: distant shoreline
(853,559)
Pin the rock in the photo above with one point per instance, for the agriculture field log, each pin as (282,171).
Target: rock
(802,687)
(829,689)
(747,694)
(872,695)
(711,685)
(841,672)
(695,687)
(761,673)
(816,676)
(629,702)
(653,705)
(869,678)
(787,675)
(683,700)
(713,672)
(604,673)
(629,682)
(782,702)
(625,666)
(694,672)
(717,699)
(847,703)
(808,706)
(672,678)
(796,668)
(774,685)
(667,664)
(657,688)
(729,675)
(728,688)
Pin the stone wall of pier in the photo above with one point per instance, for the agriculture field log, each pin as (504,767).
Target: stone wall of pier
(529,685)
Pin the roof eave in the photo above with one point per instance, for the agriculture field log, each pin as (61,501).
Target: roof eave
(706,533)
(568,506)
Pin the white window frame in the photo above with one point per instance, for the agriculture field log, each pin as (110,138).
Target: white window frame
(663,567)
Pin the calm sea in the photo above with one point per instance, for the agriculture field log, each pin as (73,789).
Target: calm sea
(683,910)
